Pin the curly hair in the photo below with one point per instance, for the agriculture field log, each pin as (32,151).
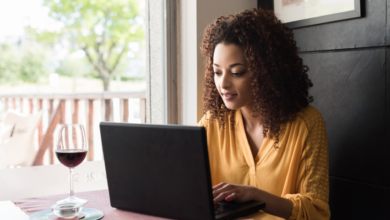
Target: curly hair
(279,78)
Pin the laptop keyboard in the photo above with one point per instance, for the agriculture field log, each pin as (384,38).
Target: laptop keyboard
(224,207)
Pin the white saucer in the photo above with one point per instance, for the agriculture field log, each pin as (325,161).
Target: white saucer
(90,214)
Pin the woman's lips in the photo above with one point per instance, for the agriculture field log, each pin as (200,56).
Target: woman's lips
(229,96)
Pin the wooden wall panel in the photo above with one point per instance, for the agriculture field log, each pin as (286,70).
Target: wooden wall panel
(350,67)
(354,200)
(386,151)
(349,91)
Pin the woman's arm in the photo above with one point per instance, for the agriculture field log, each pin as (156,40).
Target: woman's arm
(275,205)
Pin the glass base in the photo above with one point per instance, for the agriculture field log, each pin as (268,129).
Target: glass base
(72,199)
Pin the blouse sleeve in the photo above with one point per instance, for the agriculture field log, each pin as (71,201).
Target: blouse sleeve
(312,199)
(203,122)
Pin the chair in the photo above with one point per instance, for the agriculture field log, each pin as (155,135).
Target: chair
(17,139)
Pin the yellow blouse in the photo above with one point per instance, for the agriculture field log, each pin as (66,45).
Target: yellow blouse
(296,170)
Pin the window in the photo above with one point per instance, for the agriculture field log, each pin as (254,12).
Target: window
(88,55)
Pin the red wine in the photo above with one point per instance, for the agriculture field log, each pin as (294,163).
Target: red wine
(71,157)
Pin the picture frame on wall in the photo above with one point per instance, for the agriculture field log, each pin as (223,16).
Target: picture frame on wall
(302,13)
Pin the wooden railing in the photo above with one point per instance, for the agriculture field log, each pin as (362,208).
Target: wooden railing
(55,105)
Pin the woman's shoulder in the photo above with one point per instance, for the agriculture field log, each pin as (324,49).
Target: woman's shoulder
(211,120)
(310,116)
(207,119)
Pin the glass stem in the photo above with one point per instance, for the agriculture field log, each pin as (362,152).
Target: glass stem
(71,182)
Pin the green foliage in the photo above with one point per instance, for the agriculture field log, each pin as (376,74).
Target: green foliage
(9,64)
(125,78)
(74,68)
(27,65)
(32,66)
(43,35)
(87,21)
(102,28)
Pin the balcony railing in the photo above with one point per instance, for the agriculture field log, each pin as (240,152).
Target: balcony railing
(65,108)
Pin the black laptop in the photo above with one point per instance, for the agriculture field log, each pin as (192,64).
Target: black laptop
(163,170)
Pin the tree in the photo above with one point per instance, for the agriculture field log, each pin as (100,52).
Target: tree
(101,28)
(32,65)
(9,64)
(28,65)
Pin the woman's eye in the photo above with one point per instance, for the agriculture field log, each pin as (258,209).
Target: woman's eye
(216,73)
(237,74)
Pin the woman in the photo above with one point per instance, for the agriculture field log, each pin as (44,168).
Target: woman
(266,142)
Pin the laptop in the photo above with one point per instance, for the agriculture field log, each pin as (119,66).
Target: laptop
(163,170)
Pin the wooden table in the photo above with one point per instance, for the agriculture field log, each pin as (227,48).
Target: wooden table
(35,189)
(96,199)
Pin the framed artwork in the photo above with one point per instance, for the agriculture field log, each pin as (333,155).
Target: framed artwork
(301,13)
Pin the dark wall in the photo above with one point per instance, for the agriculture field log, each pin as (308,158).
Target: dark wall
(349,65)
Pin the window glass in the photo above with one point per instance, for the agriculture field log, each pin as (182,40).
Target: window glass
(78,47)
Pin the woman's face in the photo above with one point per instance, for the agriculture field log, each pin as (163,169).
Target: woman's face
(231,76)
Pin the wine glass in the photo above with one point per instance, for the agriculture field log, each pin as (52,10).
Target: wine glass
(71,150)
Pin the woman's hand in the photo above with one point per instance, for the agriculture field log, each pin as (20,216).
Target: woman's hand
(276,205)
(230,192)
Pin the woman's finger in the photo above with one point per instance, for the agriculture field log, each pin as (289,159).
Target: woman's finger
(218,186)
(231,197)
(223,188)
(222,196)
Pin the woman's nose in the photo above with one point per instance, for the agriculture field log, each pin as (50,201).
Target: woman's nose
(225,81)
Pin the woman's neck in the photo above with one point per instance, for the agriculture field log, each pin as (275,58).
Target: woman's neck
(250,121)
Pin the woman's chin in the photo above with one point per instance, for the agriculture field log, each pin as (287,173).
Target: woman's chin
(232,106)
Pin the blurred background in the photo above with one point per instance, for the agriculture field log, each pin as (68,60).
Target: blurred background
(81,49)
